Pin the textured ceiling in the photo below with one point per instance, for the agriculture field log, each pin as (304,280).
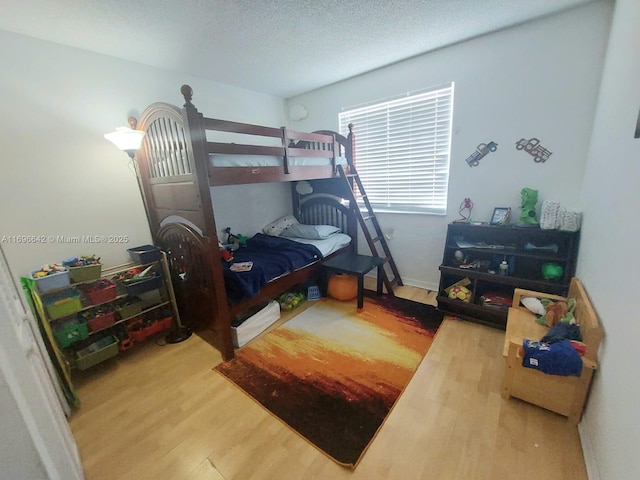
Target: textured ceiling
(280,47)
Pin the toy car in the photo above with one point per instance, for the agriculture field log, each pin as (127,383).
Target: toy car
(481,151)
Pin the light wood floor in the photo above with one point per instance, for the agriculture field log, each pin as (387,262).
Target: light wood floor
(160,412)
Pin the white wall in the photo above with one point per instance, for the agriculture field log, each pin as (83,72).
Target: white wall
(539,80)
(61,177)
(608,263)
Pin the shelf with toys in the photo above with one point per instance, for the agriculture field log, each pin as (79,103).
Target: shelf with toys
(91,314)
(483,264)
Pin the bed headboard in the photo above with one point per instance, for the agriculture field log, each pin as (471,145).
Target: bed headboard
(168,171)
(324,209)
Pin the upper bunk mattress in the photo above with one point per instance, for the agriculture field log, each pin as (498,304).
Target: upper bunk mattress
(224,160)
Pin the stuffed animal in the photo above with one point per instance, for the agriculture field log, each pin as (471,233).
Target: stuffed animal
(556,312)
(550,313)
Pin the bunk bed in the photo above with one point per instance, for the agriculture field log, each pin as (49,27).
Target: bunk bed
(180,162)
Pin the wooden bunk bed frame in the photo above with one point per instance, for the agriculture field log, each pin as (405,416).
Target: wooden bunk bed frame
(175,175)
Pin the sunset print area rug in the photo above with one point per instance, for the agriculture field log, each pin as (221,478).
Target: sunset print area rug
(332,374)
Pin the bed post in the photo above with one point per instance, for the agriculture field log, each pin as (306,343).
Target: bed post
(194,127)
(350,149)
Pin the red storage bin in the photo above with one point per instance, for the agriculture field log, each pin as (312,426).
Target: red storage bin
(139,332)
(104,290)
(101,321)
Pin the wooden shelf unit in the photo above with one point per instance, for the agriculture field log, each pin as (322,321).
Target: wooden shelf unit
(484,246)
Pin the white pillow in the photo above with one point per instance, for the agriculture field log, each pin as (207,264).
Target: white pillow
(276,228)
(309,232)
(534,305)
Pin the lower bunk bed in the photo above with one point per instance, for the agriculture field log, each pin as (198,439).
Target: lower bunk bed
(281,259)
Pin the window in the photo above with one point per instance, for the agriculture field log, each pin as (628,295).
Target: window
(403,149)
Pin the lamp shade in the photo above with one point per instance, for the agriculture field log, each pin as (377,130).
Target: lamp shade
(126,139)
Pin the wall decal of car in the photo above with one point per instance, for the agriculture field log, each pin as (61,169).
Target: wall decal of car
(533,148)
(482,150)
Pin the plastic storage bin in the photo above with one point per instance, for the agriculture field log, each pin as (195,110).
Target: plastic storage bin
(52,281)
(97,352)
(101,321)
(129,307)
(85,273)
(144,285)
(139,331)
(103,290)
(62,304)
(145,254)
(245,329)
(69,332)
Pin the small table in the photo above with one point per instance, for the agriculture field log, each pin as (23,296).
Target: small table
(360,265)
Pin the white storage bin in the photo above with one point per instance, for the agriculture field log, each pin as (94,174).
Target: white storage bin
(242,333)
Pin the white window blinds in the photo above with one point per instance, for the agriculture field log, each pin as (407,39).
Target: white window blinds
(402,150)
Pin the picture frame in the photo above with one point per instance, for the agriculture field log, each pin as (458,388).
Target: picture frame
(500,216)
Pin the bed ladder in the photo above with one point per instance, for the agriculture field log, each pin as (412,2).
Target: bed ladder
(371,229)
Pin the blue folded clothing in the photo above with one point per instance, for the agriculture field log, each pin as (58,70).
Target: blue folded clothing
(559,358)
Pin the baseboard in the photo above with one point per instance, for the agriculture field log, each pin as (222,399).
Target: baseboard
(588,451)
(420,284)
(411,282)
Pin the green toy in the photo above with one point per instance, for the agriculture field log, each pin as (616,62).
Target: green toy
(552,271)
(528,206)
(237,238)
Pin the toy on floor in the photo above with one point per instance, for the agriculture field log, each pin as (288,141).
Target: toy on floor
(291,300)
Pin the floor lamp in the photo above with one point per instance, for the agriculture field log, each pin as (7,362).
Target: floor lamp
(129,140)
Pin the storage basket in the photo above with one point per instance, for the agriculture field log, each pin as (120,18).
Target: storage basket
(68,333)
(101,321)
(139,332)
(97,352)
(63,304)
(144,285)
(549,215)
(85,273)
(313,292)
(52,281)
(101,291)
(129,308)
(145,254)
(570,220)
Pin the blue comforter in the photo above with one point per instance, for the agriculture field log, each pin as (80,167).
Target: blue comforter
(272,257)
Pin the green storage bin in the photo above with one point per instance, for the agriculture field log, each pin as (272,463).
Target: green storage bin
(62,305)
(133,308)
(68,333)
(85,273)
(97,352)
